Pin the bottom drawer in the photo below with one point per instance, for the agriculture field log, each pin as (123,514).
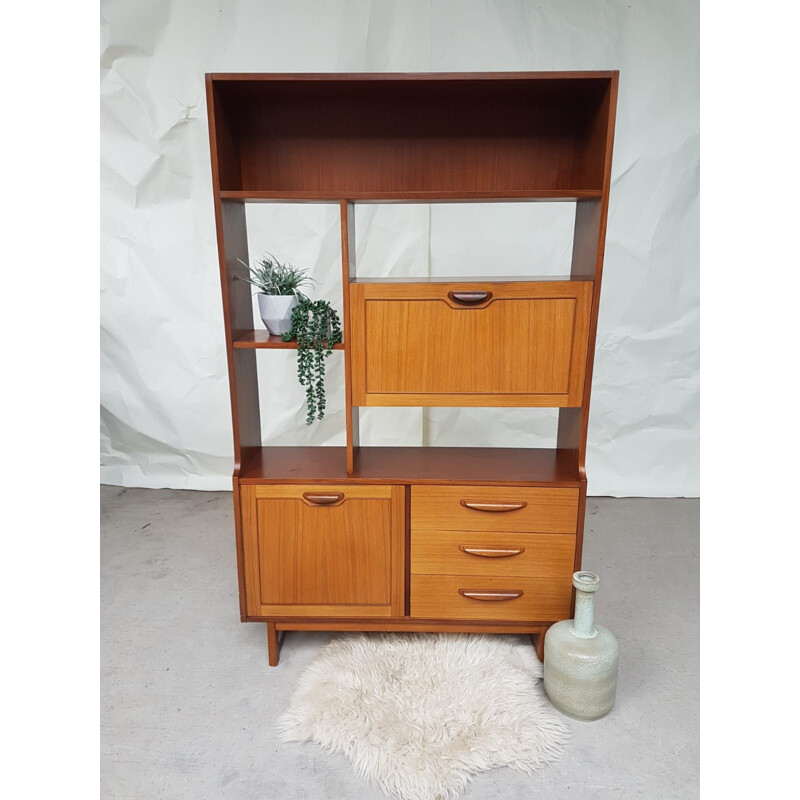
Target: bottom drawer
(470,597)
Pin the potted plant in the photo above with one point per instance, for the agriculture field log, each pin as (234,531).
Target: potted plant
(317,328)
(278,291)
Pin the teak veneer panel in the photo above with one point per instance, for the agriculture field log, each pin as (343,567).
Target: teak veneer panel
(528,555)
(414,345)
(541,598)
(444,508)
(344,558)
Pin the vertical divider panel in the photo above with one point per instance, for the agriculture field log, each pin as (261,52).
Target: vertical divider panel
(400,556)
(591,216)
(238,309)
(237,304)
(347,213)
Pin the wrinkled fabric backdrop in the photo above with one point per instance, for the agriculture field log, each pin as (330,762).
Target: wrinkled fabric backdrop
(165,417)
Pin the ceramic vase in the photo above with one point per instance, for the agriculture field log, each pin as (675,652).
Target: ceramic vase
(276,312)
(580,658)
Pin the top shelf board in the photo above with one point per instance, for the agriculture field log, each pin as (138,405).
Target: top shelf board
(506,196)
(381,77)
(415,138)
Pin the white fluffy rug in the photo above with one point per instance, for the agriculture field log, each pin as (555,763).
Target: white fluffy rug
(418,714)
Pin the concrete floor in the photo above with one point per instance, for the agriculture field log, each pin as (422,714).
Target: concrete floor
(188,700)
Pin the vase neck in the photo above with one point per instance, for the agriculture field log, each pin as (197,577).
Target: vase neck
(583,624)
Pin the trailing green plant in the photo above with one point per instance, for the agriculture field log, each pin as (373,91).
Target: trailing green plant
(317,328)
(270,276)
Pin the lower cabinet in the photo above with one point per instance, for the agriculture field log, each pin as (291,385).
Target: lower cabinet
(476,553)
(324,551)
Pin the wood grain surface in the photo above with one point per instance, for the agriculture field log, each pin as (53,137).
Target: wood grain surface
(440,508)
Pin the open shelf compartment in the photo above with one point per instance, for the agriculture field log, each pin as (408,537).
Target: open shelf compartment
(384,137)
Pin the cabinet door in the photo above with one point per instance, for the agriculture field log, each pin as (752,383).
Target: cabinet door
(323,550)
(472,344)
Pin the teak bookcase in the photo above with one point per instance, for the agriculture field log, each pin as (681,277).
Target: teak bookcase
(417,538)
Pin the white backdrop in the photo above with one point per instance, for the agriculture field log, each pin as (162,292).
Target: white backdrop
(165,416)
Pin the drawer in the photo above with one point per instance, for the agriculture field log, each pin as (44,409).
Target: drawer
(491,598)
(529,555)
(316,550)
(469,344)
(494,508)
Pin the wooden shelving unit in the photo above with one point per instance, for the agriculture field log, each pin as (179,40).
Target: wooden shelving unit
(378,538)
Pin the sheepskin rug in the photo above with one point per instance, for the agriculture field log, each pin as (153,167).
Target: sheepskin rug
(418,714)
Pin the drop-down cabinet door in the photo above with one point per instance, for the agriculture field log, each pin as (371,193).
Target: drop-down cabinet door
(470,344)
(313,550)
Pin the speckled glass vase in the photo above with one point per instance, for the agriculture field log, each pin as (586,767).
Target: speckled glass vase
(580,658)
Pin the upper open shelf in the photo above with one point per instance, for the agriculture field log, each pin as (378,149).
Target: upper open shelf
(417,137)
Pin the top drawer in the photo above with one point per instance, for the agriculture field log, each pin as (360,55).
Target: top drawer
(494,508)
(469,344)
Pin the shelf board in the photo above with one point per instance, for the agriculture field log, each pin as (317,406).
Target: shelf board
(518,195)
(421,77)
(450,465)
(466,279)
(262,339)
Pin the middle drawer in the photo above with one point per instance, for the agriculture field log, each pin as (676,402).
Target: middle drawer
(533,555)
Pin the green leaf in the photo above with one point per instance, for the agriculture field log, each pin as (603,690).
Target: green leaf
(317,328)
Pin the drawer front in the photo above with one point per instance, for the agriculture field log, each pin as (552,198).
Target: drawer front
(494,508)
(490,598)
(526,555)
(428,344)
(313,550)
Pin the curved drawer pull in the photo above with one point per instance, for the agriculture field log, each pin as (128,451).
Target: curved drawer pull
(327,499)
(469,298)
(494,506)
(477,594)
(492,552)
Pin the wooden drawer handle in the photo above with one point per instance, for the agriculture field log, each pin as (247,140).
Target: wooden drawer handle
(475,594)
(328,499)
(494,506)
(469,298)
(491,552)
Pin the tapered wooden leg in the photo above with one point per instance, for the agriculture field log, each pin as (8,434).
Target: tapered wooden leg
(274,641)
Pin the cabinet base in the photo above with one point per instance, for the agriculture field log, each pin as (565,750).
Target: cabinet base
(277,630)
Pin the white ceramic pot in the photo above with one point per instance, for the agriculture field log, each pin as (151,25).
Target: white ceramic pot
(276,311)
